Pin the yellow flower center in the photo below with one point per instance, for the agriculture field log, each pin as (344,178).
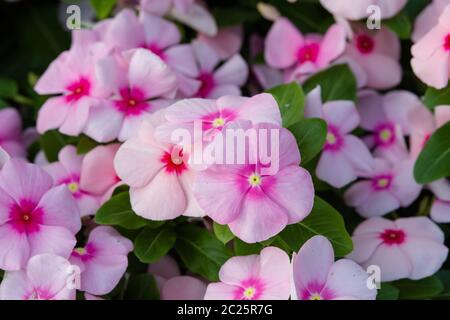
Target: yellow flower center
(385,135)
(249,292)
(254,180)
(218,122)
(73,187)
(80,251)
(331,138)
(383,182)
(315,296)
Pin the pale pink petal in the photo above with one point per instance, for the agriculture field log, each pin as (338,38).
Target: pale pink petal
(405,187)
(166,267)
(261,108)
(374,225)
(313,104)
(234,71)
(226,42)
(347,8)
(15,286)
(158,7)
(221,291)
(442,115)
(11,124)
(159,32)
(77,117)
(206,56)
(364,245)
(56,78)
(197,17)
(108,241)
(393,262)
(238,269)
(332,46)
(192,207)
(421,227)
(378,203)
(341,114)
(440,211)
(397,106)
(358,154)
(124,31)
(52,239)
(14,248)
(183,288)
(52,114)
(335,169)
(434,70)
(182,59)
(371,109)
(104,123)
(275,270)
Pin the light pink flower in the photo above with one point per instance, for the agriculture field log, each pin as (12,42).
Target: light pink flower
(71,76)
(387,118)
(255,203)
(431,54)
(374,57)
(256,277)
(4,157)
(423,124)
(67,172)
(158,174)
(318,277)
(227,42)
(11,138)
(45,277)
(186,11)
(286,47)
(357,10)
(428,18)
(440,209)
(138,80)
(386,188)
(102,261)
(214,115)
(405,248)
(216,81)
(98,176)
(35,217)
(344,155)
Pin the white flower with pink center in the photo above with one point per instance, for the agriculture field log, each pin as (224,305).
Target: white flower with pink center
(256,277)
(137,80)
(410,248)
(318,277)
(386,187)
(35,216)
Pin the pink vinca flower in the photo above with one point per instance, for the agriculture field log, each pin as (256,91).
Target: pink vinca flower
(102,261)
(158,174)
(187,12)
(35,216)
(11,137)
(343,155)
(431,54)
(227,42)
(256,277)
(67,172)
(257,203)
(410,248)
(286,47)
(214,115)
(318,277)
(357,10)
(216,81)
(374,57)
(98,176)
(4,157)
(386,187)
(71,76)
(387,117)
(45,277)
(440,209)
(159,36)
(428,18)
(138,80)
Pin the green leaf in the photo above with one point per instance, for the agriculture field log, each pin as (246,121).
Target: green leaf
(400,24)
(310,135)
(223,233)
(85,144)
(291,100)
(323,220)
(336,82)
(242,248)
(387,292)
(444,276)
(434,97)
(200,251)
(142,287)
(152,244)
(51,143)
(117,212)
(8,88)
(103,8)
(434,161)
(229,16)
(419,289)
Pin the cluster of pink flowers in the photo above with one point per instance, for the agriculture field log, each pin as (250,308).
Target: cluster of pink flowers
(135,88)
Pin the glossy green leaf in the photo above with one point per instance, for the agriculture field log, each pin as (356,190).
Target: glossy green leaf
(310,135)
(142,287)
(152,244)
(103,8)
(291,100)
(223,233)
(419,289)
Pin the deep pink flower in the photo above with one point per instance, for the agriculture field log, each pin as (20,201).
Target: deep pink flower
(135,80)
(45,277)
(256,277)
(318,277)
(386,188)
(102,261)
(35,217)
(257,204)
(67,172)
(405,248)
(286,47)
(11,137)
(343,155)
(431,56)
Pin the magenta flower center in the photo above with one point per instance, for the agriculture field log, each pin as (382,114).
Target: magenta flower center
(25,217)
(250,289)
(309,52)
(78,89)
(38,294)
(133,102)
(154,48)
(86,253)
(316,291)
(365,44)
(218,120)
(207,84)
(334,139)
(447,42)
(393,237)
(385,134)
(174,161)
(382,182)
